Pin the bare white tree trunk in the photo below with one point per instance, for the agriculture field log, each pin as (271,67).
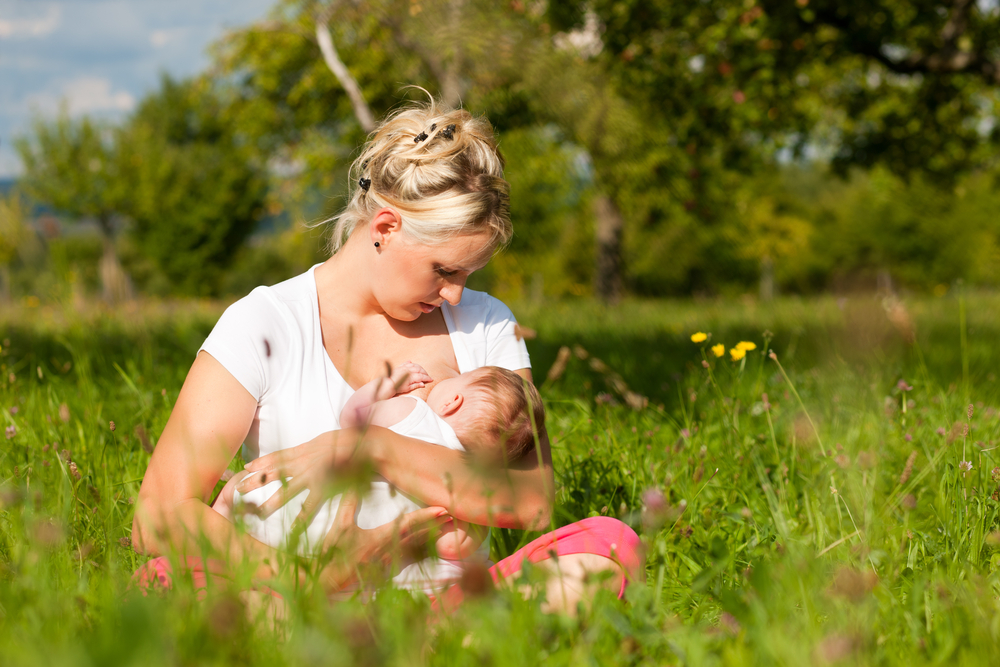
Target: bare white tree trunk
(325,40)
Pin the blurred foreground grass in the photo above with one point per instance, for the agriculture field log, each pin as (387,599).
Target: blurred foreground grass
(828,521)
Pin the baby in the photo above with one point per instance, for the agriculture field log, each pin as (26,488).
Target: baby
(484,412)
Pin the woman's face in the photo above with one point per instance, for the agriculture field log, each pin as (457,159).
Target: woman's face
(413,279)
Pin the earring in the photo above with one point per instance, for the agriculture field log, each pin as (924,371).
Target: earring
(376,244)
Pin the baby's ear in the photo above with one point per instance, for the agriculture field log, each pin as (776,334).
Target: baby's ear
(452,405)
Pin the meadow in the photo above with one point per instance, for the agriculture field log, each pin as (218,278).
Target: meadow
(829,497)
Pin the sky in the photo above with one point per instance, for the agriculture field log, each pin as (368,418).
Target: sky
(99,57)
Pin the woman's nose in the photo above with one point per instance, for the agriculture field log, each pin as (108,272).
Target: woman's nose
(452,293)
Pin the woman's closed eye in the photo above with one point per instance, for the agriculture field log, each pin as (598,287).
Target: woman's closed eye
(445,273)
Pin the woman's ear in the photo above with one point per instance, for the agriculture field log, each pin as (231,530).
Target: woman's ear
(384,224)
(452,405)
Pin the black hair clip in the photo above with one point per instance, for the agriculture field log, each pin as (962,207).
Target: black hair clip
(420,137)
(364,165)
(365,183)
(448,132)
(434,126)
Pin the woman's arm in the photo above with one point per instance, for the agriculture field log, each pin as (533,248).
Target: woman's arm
(208,424)
(519,496)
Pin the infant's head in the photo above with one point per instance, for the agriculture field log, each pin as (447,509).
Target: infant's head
(489,410)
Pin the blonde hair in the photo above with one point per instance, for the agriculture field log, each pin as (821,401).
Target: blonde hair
(504,417)
(440,169)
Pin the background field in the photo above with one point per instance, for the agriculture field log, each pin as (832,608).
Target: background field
(752,557)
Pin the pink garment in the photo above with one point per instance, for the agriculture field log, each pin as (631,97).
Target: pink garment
(599,535)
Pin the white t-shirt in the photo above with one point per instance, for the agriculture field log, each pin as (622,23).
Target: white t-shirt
(381,505)
(271,342)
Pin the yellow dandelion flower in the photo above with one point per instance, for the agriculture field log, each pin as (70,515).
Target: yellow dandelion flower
(746,345)
(699,337)
(737,353)
(719,350)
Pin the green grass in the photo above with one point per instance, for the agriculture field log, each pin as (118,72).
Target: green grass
(752,559)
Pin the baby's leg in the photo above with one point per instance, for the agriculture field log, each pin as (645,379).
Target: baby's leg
(224,503)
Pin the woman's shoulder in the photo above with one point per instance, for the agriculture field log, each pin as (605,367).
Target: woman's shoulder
(292,299)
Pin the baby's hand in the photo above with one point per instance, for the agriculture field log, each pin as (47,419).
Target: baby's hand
(409,376)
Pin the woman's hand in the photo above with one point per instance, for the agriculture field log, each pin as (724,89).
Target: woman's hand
(310,465)
(353,547)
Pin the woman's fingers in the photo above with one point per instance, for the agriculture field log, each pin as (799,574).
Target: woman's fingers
(280,498)
(416,525)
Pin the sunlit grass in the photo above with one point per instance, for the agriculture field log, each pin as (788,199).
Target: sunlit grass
(828,520)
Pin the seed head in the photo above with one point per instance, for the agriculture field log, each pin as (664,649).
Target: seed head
(995,474)
(63,413)
(772,355)
(908,468)
(970,410)
(111,425)
(73,470)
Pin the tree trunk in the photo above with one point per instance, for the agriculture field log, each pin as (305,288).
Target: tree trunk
(116,286)
(344,76)
(451,87)
(607,277)
(5,284)
(766,278)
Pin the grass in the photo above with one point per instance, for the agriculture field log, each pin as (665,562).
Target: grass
(827,523)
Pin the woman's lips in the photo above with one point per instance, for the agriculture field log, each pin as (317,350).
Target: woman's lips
(426,307)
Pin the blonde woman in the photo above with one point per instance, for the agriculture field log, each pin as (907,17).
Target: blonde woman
(429,206)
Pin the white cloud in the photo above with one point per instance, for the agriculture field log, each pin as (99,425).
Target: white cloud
(160,38)
(32,27)
(85,95)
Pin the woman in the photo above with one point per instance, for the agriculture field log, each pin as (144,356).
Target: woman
(429,208)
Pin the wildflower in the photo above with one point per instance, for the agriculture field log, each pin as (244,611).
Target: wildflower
(908,468)
(965,466)
(111,425)
(902,386)
(11,431)
(746,345)
(737,353)
(719,350)
(995,474)
(772,355)
(941,430)
(699,337)
(14,410)
(704,364)
(64,413)
(908,437)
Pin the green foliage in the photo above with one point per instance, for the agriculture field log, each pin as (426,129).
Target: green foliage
(73,167)
(196,189)
(751,558)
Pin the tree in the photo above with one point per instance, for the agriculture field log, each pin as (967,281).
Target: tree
(73,166)
(196,187)
(13,230)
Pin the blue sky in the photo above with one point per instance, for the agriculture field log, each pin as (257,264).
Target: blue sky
(100,57)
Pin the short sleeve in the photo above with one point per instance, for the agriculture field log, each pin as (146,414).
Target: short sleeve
(504,348)
(245,339)
(484,333)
